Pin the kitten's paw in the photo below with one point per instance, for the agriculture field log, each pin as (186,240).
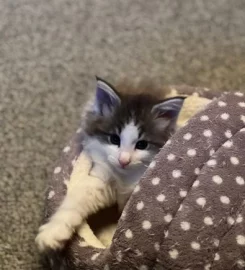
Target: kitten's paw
(53,235)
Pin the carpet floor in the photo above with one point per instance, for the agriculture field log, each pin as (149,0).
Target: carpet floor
(50,51)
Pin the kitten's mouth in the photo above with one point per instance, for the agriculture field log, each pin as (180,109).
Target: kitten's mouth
(121,167)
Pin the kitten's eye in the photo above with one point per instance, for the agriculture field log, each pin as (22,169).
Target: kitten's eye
(141,145)
(115,139)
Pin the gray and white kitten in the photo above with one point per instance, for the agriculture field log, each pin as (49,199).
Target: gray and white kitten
(124,132)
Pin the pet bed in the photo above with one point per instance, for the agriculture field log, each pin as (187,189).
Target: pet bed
(187,212)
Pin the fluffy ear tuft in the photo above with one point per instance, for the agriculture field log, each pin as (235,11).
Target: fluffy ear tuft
(106,98)
(169,108)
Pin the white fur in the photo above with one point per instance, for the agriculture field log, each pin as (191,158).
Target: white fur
(129,136)
(107,167)
(82,199)
(106,183)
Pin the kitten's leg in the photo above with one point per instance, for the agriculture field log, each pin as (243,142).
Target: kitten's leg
(85,195)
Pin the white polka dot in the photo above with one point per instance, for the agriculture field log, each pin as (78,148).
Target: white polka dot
(241,104)
(242,117)
(201,201)
(228,144)
(171,157)
(152,164)
(216,242)
(211,152)
(242,130)
(224,116)
(221,104)
(66,149)
(137,189)
(217,179)
(157,246)
(129,234)
(211,162)
(230,220)
(228,134)
(191,152)
(143,267)
(185,225)
(83,244)
(174,254)
(183,193)
(207,133)
(119,256)
(234,160)
(197,171)
(57,170)
(224,199)
(66,182)
(161,198)
(180,207)
(176,173)
(168,218)
(79,130)
(208,221)
(216,257)
(240,240)
(241,263)
(207,266)
(123,215)
(146,225)
(51,194)
(106,267)
(239,94)
(138,252)
(140,205)
(168,142)
(95,256)
(187,136)
(204,118)
(195,245)
(196,183)
(239,219)
(73,162)
(155,181)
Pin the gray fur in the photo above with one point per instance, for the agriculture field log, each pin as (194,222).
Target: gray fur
(132,117)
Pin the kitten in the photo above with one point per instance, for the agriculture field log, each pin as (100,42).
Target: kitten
(123,132)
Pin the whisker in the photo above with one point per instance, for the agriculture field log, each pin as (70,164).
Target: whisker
(111,158)
(136,162)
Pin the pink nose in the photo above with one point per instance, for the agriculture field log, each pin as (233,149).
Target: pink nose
(124,159)
(124,163)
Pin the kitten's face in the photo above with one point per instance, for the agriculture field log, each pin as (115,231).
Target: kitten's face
(128,131)
(127,148)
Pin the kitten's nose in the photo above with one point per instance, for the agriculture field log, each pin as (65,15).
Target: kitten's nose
(124,159)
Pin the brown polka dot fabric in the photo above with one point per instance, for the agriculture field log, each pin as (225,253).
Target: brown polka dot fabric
(188,210)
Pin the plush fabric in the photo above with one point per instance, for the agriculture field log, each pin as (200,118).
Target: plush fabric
(187,211)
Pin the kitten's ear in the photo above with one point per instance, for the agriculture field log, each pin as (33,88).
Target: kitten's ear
(168,109)
(106,98)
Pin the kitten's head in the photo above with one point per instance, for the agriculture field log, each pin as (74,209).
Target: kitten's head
(128,130)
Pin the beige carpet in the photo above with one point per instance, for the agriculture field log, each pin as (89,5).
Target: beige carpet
(50,51)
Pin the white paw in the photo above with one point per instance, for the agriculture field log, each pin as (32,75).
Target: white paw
(53,235)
